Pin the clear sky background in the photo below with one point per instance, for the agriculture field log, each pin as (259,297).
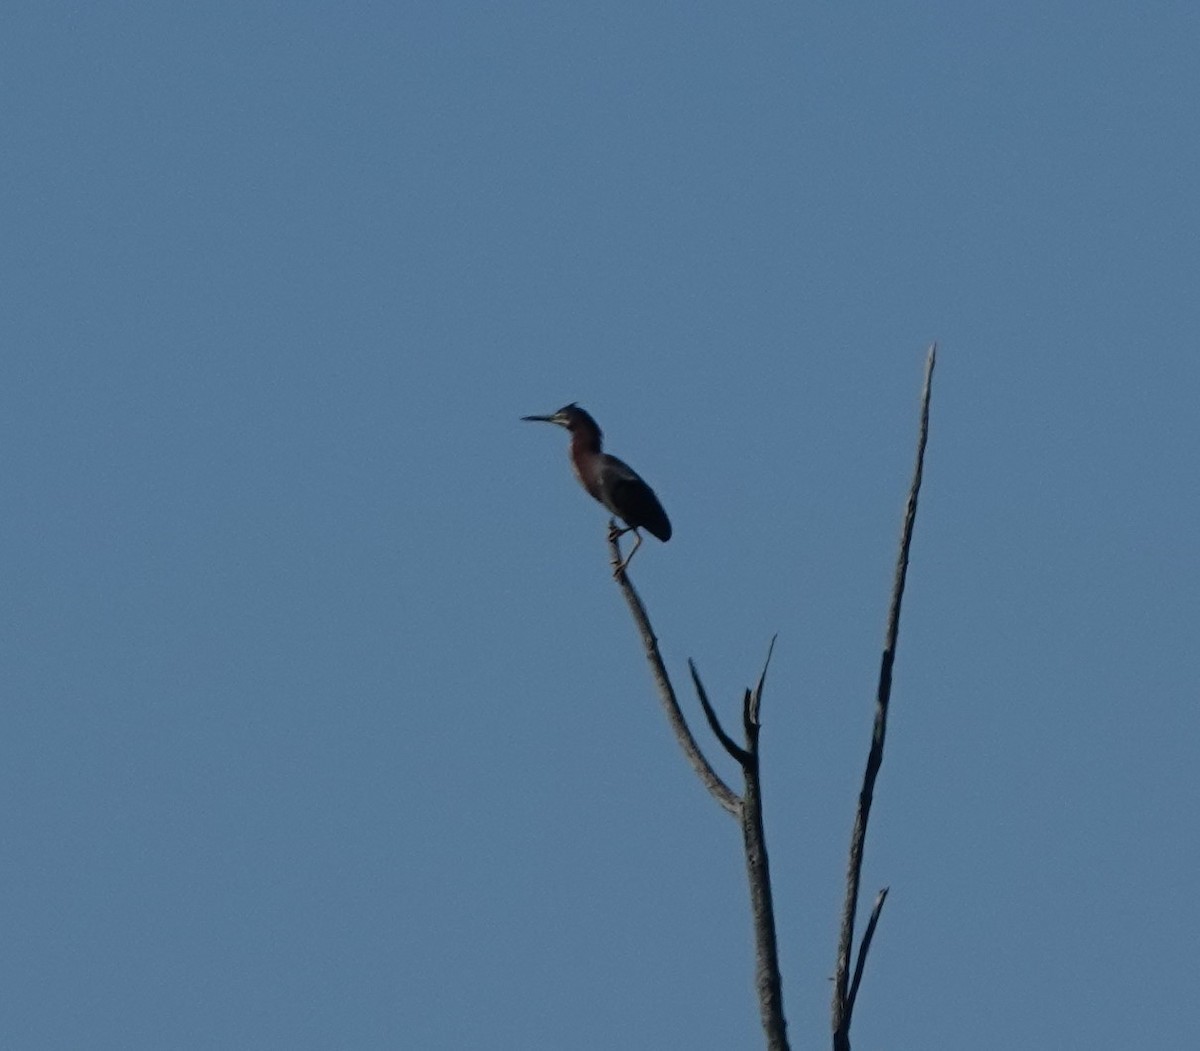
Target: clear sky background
(323,724)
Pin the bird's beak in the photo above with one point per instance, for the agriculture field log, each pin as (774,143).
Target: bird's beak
(541,419)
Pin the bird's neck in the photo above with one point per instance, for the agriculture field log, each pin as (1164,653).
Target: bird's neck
(584,443)
(585,457)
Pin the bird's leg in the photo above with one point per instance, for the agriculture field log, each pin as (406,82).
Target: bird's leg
(620,570)
(615,533)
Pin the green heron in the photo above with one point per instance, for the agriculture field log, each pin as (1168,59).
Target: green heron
(611,481)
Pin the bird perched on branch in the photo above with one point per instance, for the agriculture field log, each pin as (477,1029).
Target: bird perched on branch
(611,481)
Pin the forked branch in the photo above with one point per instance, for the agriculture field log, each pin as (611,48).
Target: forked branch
(720,791)
(714,724)
(747,808)
(844,994)
(767,979)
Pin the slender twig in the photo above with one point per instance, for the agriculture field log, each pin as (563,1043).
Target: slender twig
(720,791)
(865,947)
(755,699)
(843,1004)
(749,722)
(727,742)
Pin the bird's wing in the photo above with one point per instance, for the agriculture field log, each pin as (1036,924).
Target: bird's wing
(626,495)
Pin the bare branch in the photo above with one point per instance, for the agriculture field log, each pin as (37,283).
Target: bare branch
(749,723)
(727,742)
(756,698)
(747,809)
(720,791)
(864,948)
(843,1005)
(767,978)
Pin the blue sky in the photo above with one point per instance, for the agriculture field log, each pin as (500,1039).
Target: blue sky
(324,724)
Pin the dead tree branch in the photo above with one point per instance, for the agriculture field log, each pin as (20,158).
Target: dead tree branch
(727,742)
(726,798)
(844,995)
(767,979)
(865,946)
(747,808)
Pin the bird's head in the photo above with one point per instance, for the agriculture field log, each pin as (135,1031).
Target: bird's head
(572,417)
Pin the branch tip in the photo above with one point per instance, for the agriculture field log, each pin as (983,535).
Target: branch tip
(864,948)
(714,724)
(756,701)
